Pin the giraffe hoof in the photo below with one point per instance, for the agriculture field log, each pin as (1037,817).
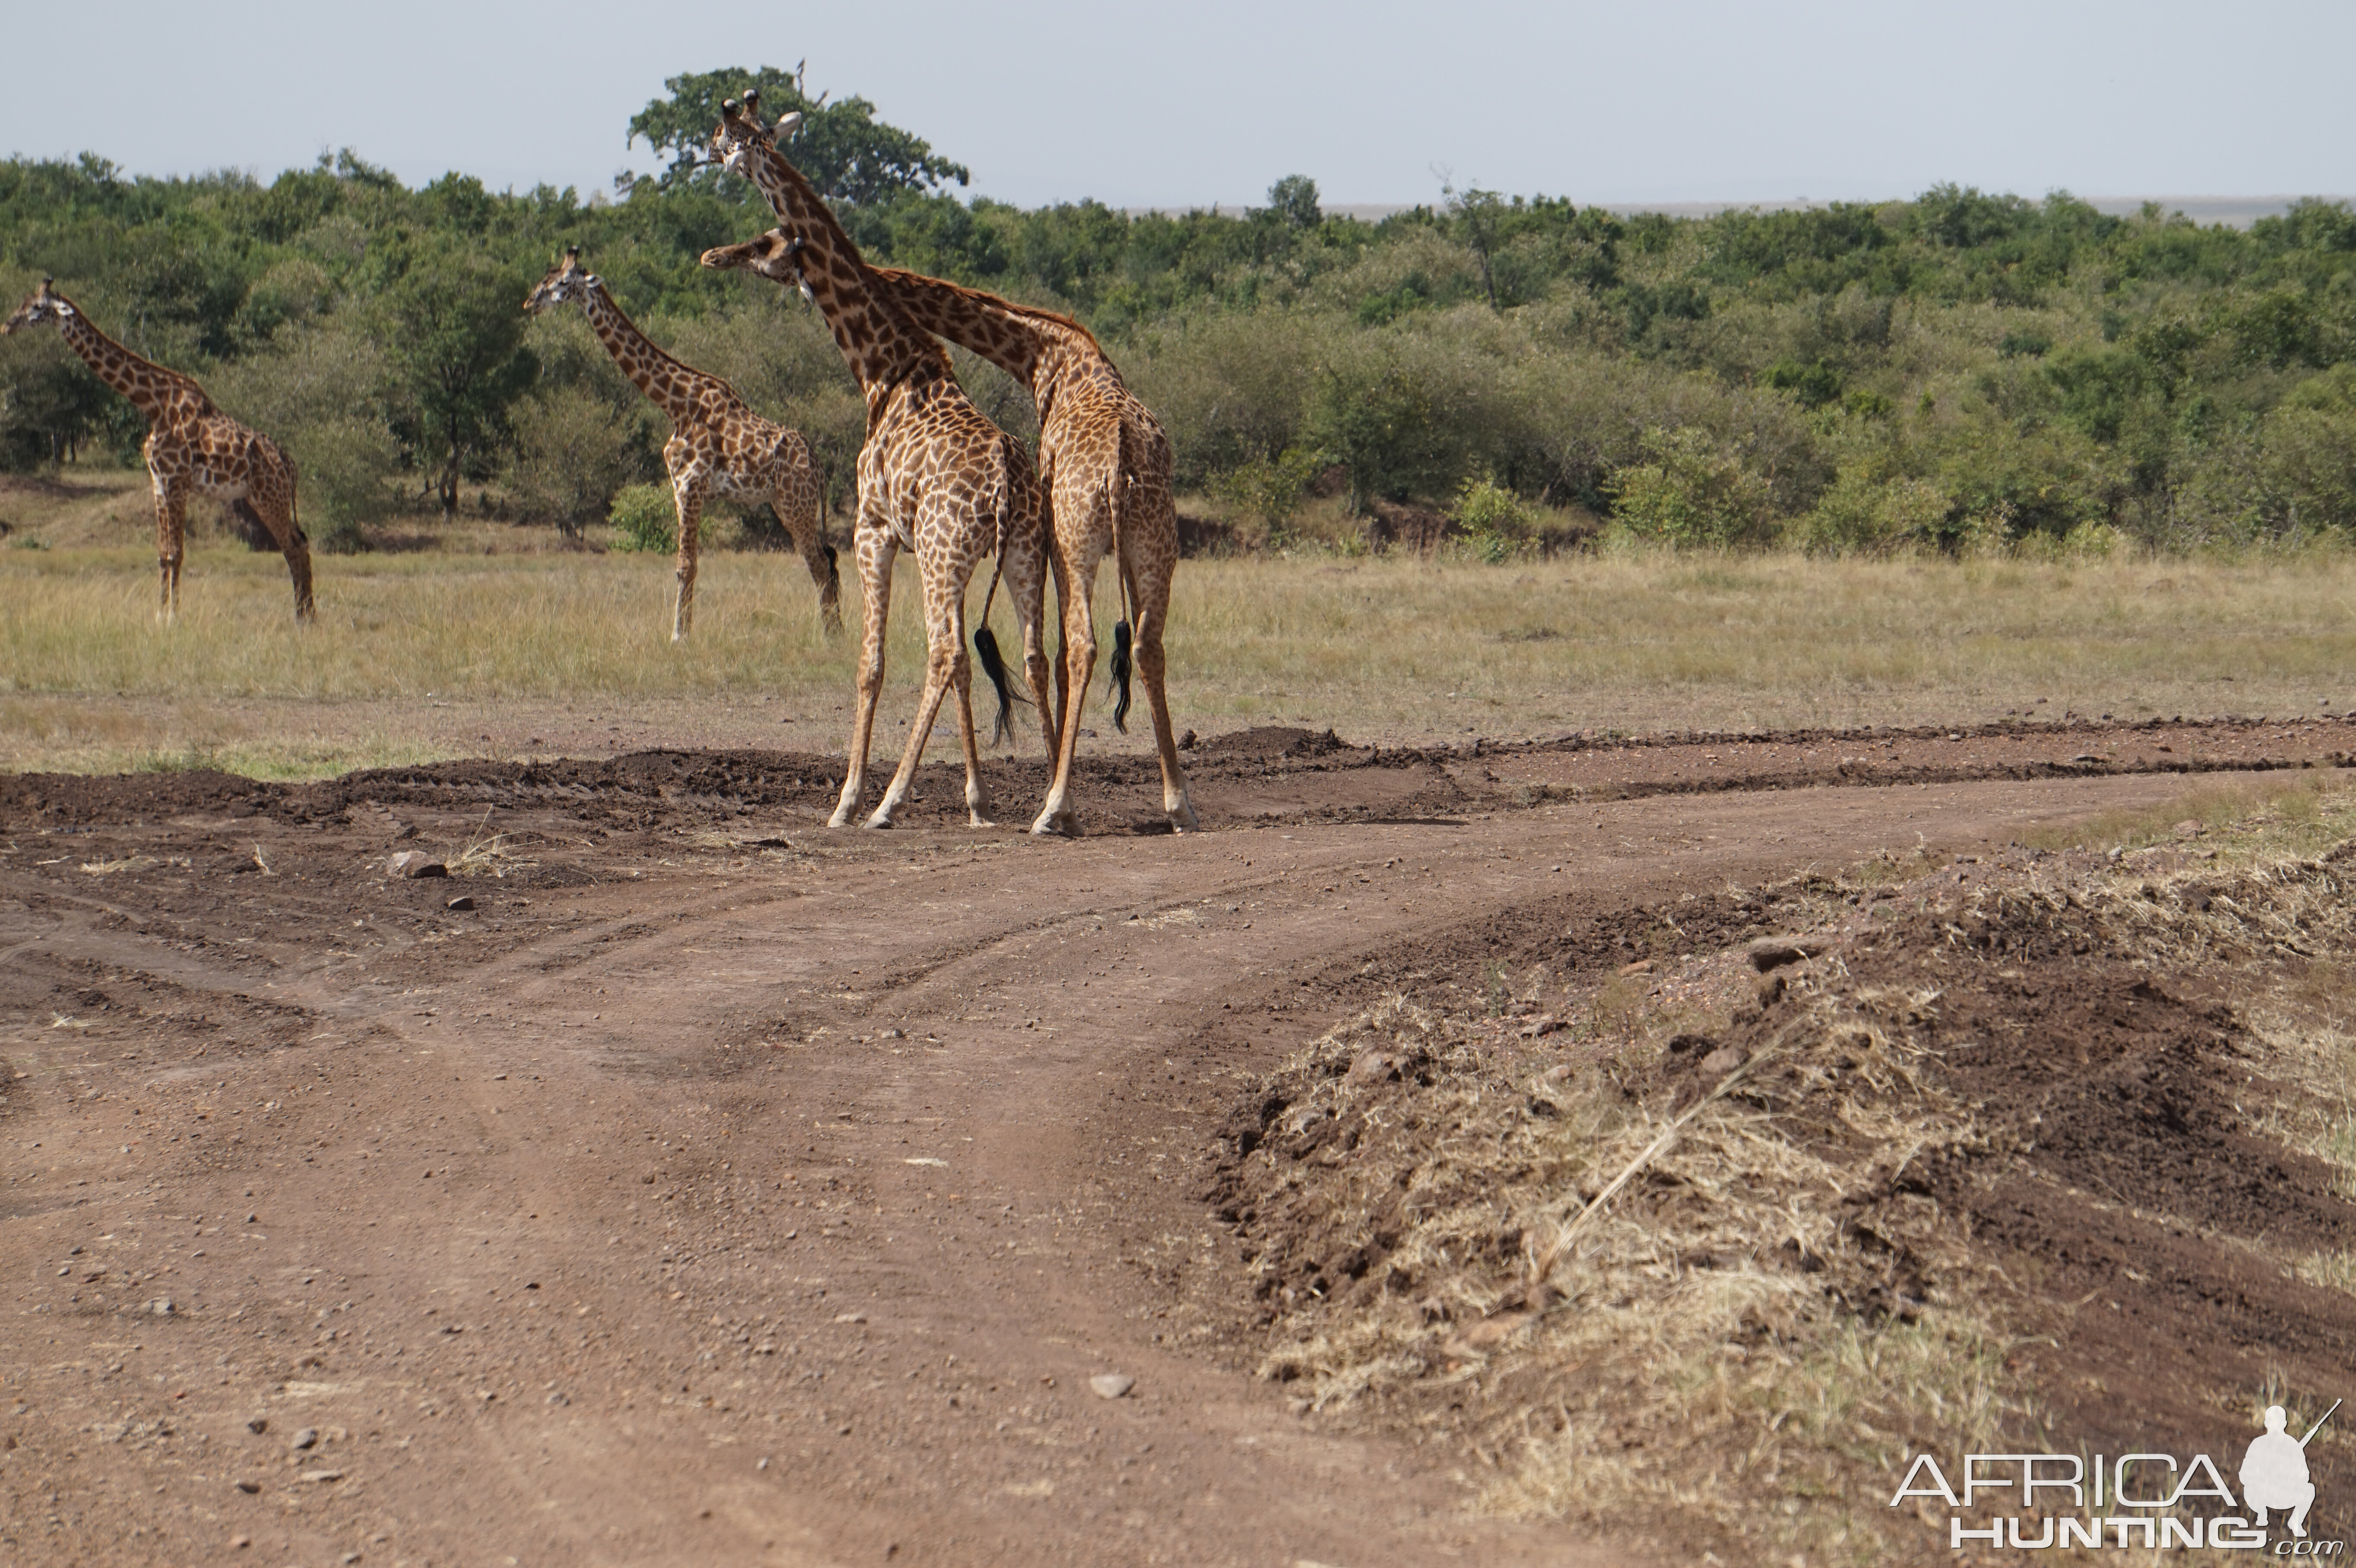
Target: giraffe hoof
(878,823)
(1064,826)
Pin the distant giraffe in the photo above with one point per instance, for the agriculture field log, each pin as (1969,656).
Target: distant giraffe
(717,444)
(192,448)
(1105,464)
(935,475)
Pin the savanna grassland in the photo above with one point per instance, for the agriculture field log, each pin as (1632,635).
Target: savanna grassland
(424,655)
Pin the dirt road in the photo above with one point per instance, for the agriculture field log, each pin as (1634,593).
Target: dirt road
(717,1188)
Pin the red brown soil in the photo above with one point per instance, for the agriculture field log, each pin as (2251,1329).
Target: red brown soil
(698,1197)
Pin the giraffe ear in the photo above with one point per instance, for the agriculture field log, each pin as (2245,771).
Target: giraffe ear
(787,124)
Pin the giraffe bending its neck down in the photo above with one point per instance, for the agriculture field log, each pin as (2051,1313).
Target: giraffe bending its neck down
(1105,464)
(192,448)
(935,475)
(717,443)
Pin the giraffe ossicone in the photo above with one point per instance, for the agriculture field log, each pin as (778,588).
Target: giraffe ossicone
(718,445)
(192,449)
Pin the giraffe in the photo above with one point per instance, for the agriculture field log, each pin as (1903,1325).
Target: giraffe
(935,475)
(717,444)
(192,448)
(1104,463)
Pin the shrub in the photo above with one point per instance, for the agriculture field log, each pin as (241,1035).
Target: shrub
(1498,525)
(1691,494)
(1227,389)
(645,518)
(572,455)
(1857,515)
(1269,490)
(318,391)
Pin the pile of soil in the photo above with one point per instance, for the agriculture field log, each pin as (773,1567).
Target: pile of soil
(2099,1174)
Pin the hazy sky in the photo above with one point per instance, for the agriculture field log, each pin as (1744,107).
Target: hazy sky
(1211,100)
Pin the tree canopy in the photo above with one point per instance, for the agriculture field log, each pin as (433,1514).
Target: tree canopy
(845,153)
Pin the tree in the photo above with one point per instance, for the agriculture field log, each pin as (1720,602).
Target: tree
(841,148)
(455,340)
(1293,200)
(1481,215)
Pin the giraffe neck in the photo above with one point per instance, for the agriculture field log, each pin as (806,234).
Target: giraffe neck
(1043,350)
(674,388)
(877,341)
(149,386)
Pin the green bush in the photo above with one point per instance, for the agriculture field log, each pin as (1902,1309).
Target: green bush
(1498,525)
(1269,490)
(1859,514)
(1690,494)
(573,454)
(645,518)
(320,392)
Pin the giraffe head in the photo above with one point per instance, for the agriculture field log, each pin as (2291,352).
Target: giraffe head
(741,125)
(46,308)
(568,285)
(773,256)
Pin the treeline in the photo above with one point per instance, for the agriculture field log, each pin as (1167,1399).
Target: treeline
(1957,368)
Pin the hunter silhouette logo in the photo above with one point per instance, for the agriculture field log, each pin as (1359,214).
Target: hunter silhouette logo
(2134,1500)
(2274,1472)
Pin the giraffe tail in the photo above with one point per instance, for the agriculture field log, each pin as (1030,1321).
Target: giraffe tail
(1119,497)
(985,642)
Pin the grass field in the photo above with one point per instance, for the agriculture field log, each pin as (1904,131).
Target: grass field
(430,654)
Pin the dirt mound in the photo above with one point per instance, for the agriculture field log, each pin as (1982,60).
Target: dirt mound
(1274,741)
(2032,1110)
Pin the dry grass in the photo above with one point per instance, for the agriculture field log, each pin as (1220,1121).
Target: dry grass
(1627,1311)
(1391,650)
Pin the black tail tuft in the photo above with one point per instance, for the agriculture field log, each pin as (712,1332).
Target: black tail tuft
(1120,675)
(993,664)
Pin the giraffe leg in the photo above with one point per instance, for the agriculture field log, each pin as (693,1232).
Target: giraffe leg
(876,551)
(805,525)
(687,498)
(275,515)
(1079,663)
(977,792)
(1152,604)
(946,665)
(1027,589)
(171,536)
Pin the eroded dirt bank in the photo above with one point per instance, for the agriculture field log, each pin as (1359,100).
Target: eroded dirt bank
(718,1188)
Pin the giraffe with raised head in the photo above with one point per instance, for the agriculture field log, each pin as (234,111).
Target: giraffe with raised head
(192,448)
(1104,463)
(936,476)
(718,445)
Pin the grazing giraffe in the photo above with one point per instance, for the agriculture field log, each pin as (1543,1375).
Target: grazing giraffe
(717,443)
(1105,465)
(192,448)
(935,475)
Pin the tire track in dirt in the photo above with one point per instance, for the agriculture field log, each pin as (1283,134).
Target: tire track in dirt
(675,1240)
